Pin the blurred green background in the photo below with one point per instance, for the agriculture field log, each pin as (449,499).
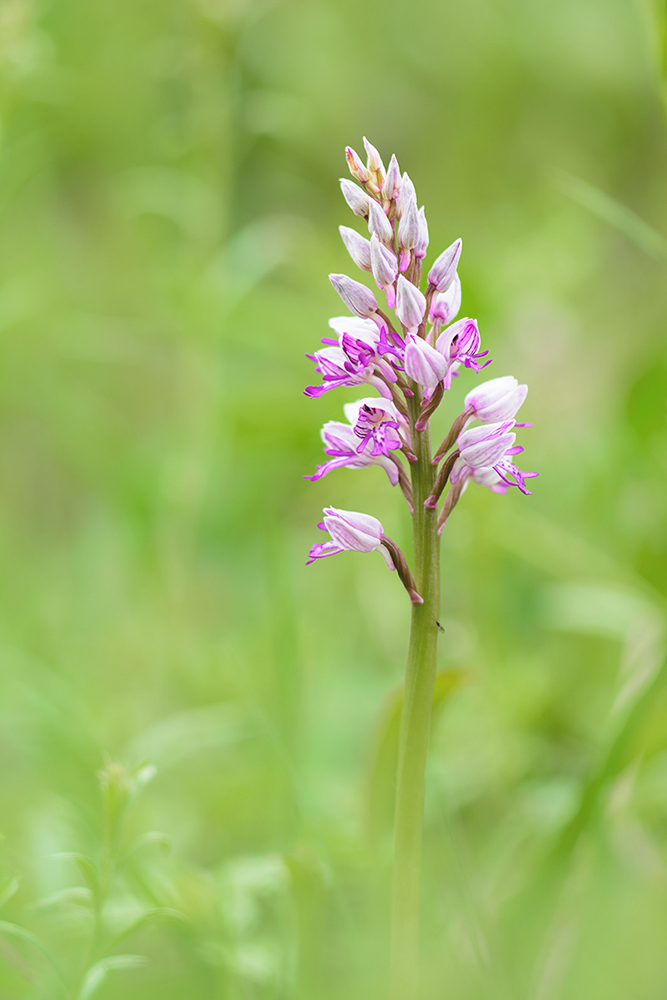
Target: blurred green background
(169,206)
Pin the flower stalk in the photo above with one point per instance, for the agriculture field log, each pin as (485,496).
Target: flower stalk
(415,729)
(410,361)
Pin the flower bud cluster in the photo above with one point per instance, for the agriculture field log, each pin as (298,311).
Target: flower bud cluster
(410,361)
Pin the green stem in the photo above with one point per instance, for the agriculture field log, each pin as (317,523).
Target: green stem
(415,725)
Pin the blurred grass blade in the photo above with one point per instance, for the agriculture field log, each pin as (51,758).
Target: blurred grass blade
(381,770)
(531,914)
(9,889)
(85,866)
(76,895)
(170,740)
(625,745)
(655,12)
(616,214)
(157,913)
(152,839)
(13,930)
(99,972)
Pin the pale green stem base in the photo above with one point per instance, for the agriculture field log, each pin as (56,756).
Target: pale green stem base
(415,727)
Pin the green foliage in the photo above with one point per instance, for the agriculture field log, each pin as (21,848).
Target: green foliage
(168,214)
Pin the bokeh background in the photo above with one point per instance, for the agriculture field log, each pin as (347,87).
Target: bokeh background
(169,206)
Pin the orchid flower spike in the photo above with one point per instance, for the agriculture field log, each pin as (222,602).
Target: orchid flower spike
(409,359)
(409,356)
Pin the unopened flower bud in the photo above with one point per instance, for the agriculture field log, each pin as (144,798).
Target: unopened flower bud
(357,199)
(423,363)
(421,245)
(442,273)
(357,169)
(379,224)
(445,305)
(410,303)
(392,183)
(358,248)
(358,299)
(407,235)
(497,399)
(406,195)
(384,266)
(375,164)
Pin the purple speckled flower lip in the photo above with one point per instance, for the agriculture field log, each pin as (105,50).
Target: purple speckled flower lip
(376,422)
(410,360)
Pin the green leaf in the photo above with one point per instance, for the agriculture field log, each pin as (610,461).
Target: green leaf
(99,972)
(616,214)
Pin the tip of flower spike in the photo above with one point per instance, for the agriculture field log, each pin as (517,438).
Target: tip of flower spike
(375,163)
(357,169)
